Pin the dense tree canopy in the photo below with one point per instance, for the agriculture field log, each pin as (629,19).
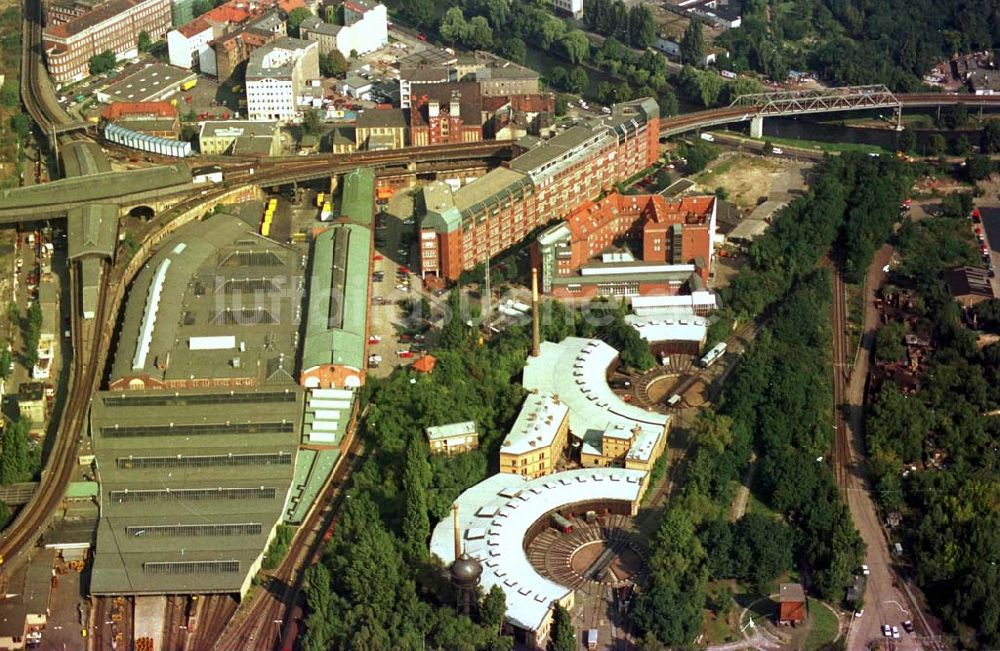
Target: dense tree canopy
(933,452)
(858,42)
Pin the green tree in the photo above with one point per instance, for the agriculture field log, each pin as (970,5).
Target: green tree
(420,12)
(700,85)
(6,363)
(416,478)
(144,42)
(721,193)
(563,634)
(14,455)
(991,137)
(562,101)
(763,548)
(103,62)
(493,609)
(936,145)
(693,44)
(21,125)
(514,49)
(744,86)
(10,96)
(712,431)
(320,604)
(576,45)
(907,141)
(333,64)
(312,122)
(959,116)
(957,204)
(295,18)
(454,331)
(699,155)
(453,26)
(479,35)
(978,167)
(576,80)
(889,344)
(962,146)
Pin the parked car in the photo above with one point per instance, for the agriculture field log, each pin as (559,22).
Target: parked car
(859,612)
(865,570)
(404,354)
(886,630)
(908,626)
(895,632)
(374,339)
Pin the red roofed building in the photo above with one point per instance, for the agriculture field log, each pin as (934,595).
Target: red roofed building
(791,603)
(126,110)
(114,25)
(674,239)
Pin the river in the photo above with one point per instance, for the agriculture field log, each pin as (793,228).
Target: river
(823,129)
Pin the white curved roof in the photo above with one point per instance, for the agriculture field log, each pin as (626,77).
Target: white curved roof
(661,328)
(574,370)
(494,516)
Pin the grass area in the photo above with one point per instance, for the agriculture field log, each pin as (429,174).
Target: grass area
(838,147)
(720,625)
(755,505)
(823,625)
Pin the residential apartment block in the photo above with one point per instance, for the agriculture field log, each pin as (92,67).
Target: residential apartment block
(538,437)
(453,438)
(364,28)
(114,25)
(462,228)
(223,37)
(276,78)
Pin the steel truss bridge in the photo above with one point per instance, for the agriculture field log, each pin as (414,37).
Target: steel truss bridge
(848,98)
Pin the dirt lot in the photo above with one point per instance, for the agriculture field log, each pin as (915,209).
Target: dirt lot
(748,178)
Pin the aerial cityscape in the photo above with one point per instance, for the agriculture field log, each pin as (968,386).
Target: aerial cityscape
(499,325)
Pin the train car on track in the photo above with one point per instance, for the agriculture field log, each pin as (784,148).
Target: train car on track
(561,523)
(713,355)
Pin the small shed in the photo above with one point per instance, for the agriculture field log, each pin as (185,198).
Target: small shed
(969,285)
(792,604)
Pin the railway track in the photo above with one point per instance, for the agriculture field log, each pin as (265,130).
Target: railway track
(841,376)
(265,617)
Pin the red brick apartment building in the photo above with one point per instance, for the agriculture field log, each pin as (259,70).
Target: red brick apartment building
(445,113)
(114,25)
(461,227)
(581,257)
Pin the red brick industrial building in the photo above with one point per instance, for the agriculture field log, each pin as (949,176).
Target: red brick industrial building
(594,251)
(445,113)
(462,227)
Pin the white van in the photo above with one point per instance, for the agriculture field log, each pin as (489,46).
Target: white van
(708,137)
